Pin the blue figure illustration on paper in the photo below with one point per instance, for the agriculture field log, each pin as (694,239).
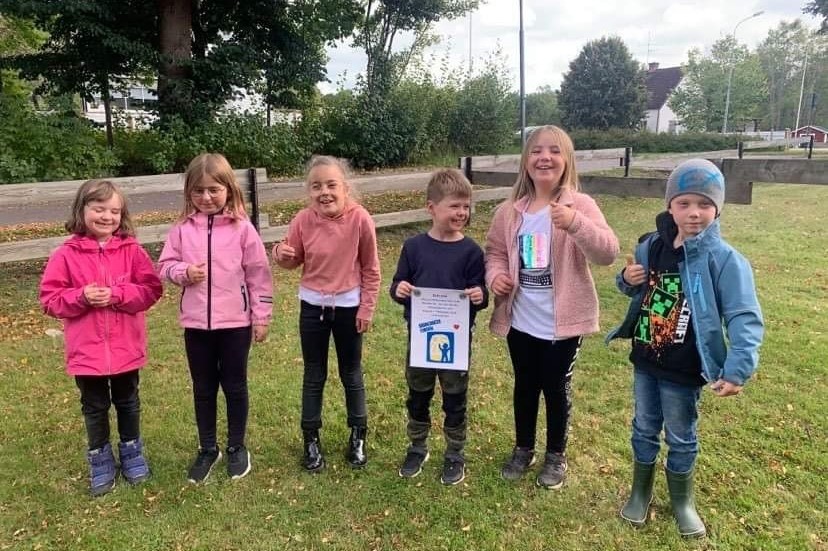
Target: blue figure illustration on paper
(440,347)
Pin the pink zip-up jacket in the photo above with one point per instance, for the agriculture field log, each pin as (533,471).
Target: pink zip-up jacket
(238,290)
(588,239)
(338,254)
(101,341)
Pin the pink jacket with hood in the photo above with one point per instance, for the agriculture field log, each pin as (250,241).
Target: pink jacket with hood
(588,239)
(101,341)
(238,290)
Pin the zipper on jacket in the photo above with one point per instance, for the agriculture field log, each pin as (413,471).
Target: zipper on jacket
(244,298)
(209,270)
(103,272)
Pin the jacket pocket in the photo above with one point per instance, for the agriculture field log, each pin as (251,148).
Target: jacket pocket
(181,300)
(245,298)
(698,290)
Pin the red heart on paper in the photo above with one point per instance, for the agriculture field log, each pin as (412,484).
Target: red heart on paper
(456,326)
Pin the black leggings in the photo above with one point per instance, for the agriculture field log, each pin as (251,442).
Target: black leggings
(97,394)
(219,358)
(542,366)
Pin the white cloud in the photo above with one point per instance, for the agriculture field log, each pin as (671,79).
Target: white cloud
(554,32)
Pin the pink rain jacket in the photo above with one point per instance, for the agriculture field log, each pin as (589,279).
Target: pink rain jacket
(239,288)
(101,341)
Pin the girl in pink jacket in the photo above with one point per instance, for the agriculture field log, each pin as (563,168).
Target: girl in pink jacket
(215,255)
(335,242)
(538,251)
(100,282)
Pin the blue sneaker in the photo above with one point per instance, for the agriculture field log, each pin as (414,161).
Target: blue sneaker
(102,470)
(133,465)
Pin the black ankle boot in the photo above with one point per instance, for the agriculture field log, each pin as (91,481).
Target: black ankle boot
(313,459)
(356,447)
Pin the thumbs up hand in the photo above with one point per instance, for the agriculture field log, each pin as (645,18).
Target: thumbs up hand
(633,273)
(562,215)
(197,273)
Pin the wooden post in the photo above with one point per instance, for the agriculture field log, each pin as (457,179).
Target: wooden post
(811,146)
(253,184)
(740,148)
(627,157)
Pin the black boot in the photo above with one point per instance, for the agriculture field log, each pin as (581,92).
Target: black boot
(356,447)
(641,495)
(313,459)
(684,508)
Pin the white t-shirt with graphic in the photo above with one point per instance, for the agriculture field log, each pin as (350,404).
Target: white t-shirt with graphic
(533,310)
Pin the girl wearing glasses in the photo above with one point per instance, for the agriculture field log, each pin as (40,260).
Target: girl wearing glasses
(215,255)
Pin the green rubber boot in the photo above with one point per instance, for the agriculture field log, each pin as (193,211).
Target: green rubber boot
(684,508)
(641,494)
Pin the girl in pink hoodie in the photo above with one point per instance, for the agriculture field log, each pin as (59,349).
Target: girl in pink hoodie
(100,282)
(538,251)
(335,242)
(215,255)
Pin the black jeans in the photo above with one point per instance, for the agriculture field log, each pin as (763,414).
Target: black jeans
(316,324)
(97,394)
(542,366)
(219,358)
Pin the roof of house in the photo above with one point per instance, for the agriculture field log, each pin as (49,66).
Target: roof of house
(660,83)
(807,126)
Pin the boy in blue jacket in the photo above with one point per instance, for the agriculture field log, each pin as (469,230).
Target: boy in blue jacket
(688,286)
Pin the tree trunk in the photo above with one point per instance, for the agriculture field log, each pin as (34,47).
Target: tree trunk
(175,46)
(106,98)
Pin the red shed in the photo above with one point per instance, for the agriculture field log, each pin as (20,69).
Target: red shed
(820,134)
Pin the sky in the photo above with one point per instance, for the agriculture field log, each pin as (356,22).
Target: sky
(657,31)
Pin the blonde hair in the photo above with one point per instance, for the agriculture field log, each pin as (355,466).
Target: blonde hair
(97,190)
(569,179)
(343,166)
(447,182)
(215,166)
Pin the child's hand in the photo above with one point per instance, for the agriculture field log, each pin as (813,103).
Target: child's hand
(404,289)
(363,325)
(284,252)
(722,388)
(259,333)
(197,273)
(97,297)
(502,285)
(475,294)
(562,215)
(633,273)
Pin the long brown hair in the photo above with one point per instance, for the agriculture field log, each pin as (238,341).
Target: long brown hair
(215,166)
(97,190)
(569,179)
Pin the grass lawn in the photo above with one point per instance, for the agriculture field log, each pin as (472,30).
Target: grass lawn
(761,480)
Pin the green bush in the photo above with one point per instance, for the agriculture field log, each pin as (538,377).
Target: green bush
(54,146)
(648,142)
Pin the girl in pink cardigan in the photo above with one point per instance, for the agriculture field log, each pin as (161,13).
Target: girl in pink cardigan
(334,240)
(538,250)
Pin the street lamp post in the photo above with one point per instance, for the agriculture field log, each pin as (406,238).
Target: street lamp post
(522,81)
(730,73)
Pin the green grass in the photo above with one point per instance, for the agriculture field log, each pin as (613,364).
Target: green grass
(761,479)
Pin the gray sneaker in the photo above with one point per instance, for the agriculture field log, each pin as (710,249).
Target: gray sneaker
(412,464)
(454,471)
(203,464)
(553,472)
(518,464)
(238,462)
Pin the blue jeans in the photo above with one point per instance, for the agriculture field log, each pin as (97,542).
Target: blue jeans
(673,407)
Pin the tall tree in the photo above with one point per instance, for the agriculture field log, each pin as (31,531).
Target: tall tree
(17,36)
(383,21)
(819,8)
(700,99)
(92,47)
(782,55)
(604,88)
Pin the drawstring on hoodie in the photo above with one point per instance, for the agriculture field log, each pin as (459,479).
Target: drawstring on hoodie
(332,307)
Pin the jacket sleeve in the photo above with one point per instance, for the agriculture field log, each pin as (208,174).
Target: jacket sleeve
(742,318)
(59,297)
(476,276)
(591,232)
(497,252)
(144,288)
(294,239)
(403,273)
(257,276)
(369,268)
(171,265)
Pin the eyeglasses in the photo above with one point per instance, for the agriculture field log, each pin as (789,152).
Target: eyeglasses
(211,191)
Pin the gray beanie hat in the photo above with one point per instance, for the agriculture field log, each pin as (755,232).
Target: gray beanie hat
(698,176)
